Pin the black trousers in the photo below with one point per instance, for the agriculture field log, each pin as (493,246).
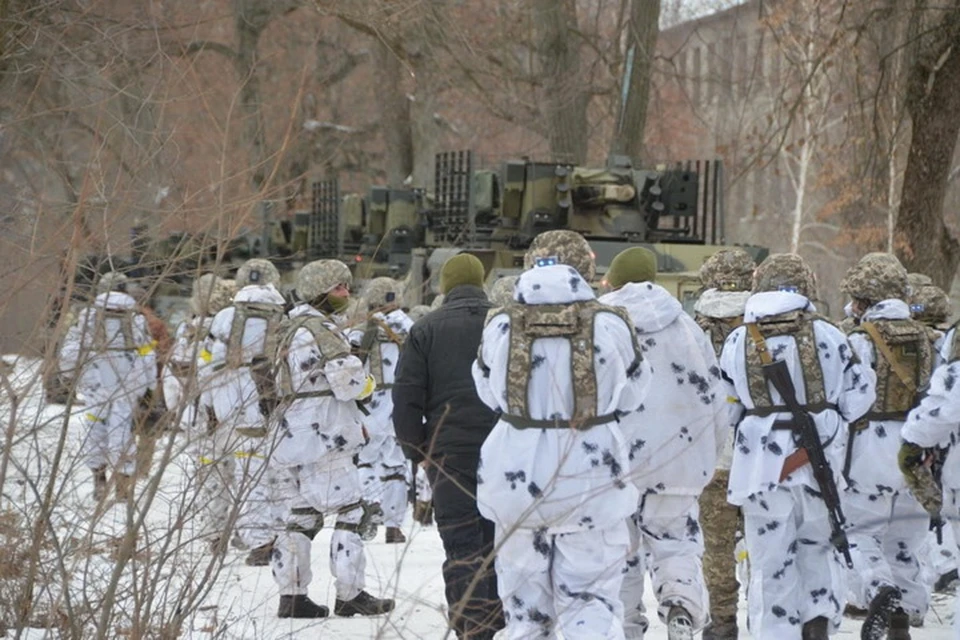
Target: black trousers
(468,542)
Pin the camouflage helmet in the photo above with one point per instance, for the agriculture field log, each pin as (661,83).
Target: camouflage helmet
(929,304)
(501,292)
(878,276)
(917,280)
(382,292)
(785,272)
(418,311)
(112,281)
(211,294)
(728,270)
(321,277)
(569,247)
(257,271)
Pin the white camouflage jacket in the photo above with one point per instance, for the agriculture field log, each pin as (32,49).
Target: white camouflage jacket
(558,479)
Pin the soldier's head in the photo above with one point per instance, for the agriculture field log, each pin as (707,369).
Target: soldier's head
(930,305)
(917,280)
(325,285)
(418,311)
(501,292)
(635,264)
(257,272)
(211,294)
(567,247)
(461,269)
(728,270)
(878,276)
(383,294)
(113,281)
(786,272)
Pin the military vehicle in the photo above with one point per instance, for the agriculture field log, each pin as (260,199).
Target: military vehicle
(676,211)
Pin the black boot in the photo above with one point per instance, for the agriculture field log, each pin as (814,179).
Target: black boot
(815,629)
(883,604)
(721,630)
(260,557)
(899,626)
(364,605)
(423,513)
(301,607)
(395,536)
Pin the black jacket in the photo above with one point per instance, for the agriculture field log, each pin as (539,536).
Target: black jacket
(434,381)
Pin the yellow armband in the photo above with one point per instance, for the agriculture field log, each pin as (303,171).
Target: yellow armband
(206,356)
(147,349)
(368,388)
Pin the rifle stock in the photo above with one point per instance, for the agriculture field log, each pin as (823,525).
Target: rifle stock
(808,437)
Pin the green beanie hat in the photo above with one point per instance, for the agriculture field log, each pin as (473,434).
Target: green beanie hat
(632,265)
(463,268)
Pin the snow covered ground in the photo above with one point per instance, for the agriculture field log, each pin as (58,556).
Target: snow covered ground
(238,602)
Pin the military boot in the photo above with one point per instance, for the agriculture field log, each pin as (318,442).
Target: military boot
(882,606)
(364,605)
(899,626)
(679,624)
(301,607)
(395,536)
(815,629)
(260,556)
(124,486)
(100,484)
(721,630)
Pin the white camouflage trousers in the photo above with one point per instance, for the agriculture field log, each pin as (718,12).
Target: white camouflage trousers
(307,492)
(565,582)
(665,532)
(386,486)
(887,533)
(109,440)
(252,490)
(795,573)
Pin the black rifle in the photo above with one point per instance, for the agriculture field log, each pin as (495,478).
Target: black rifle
(936,470)
(808,437)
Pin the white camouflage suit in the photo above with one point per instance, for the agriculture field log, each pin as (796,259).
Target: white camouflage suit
(211,466)
(232,394)
(560,497)
(316,435)
(936,423)
(673,446)
(795,573)
(112,372)
(383,467)
(887,526)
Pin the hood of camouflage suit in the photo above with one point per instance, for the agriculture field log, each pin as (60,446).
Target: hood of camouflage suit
(772,303)
(115,300)
(556,284)
(891,309)
(651,307)
(714,303)
(259,293)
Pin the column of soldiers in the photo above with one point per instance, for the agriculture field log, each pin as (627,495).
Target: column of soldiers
(631,441)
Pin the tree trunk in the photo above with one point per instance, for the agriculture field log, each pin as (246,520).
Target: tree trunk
(248,38)
(565,97)
(933,101)
(642,30)
(394,107)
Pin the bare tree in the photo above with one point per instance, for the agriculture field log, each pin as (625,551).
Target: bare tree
(641,40)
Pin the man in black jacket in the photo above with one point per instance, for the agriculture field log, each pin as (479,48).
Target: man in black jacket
(439,418)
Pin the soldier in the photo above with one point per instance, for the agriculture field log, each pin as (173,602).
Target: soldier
(887,524)
(796,588)
(684,418)
(317,433)
(383,467)
(501,292)
(726,277)
(235,374)
(553,474)
(213,465)
(108,351)
(930,306)
(931,429)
